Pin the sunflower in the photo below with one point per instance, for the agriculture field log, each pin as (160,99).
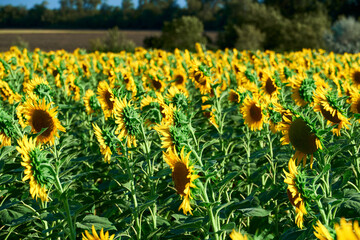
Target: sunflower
(38,87)
(347,231)
(127,119)
(321,232)
(253,114)
(172,136)
(269,86)
(355,76)
(234,235)
(8,94)
(40,115)
(200,76)
(106,99)
(179,79)
(294,194)
(276,115)
(91,103)
(104,142)
(95,236)
(209,113)
(36,164)
(182,175)
(326,103)
(178,96)
(234,96)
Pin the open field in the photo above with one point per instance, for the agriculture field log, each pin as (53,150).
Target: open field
(67,39)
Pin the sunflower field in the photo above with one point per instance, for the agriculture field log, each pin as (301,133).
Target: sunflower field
(179,145)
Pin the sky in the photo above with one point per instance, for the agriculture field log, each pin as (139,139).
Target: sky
(55,3)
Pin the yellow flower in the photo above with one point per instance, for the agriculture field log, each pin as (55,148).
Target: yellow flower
(347,231)
(355,76)
(127,120)
(329,112)
(40,115)
(234,235)
(106,99)
(36,87)
(269,87)
(182,175)
(321,232)
(252,113)
(234,96)
(8,94)
(32,157)
(104,148)
(297,132)
(294,195)
(95,236)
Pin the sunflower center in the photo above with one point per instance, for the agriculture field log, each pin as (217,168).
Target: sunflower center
(356,77)
(358,106)
(328,116)
(126,79)
(179,79)
(157,84)
(109,103)
(301,137)
(55,72)
(180,177)
(255,113)
(270,86)
(234,97)
(292,199)
(42,119)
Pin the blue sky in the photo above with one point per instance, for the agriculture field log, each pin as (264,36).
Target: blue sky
(55,3)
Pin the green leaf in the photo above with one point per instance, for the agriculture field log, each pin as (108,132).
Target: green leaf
(254,212)
(98,222)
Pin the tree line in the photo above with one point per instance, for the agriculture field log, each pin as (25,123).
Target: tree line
(262,24)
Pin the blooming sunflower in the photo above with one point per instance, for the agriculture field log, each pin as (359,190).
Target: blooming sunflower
(40,115)
(294,194)
(234,96)
(106,99)
(327,104)
(234,235)
(200,76)
(127,119)
(95,236)
(355,76)
(253,114)
(91,103)
(182,175)
(302,137)
(38,87)
(269,87)
(179,79)
(321,232)
(36,164)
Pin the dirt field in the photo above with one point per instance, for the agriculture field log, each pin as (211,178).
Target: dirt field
(66,39)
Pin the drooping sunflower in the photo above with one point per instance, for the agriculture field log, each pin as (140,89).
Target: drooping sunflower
(104,142)
(302,136)
(91,103)
(106,99)
(321,232)
(33,157)
(234,235)
(327,104)
(38,87)
(295,196)
(172,136)
(252,112)
(182,174)
(95,236)
(128,121)
(40,115)
(178,96)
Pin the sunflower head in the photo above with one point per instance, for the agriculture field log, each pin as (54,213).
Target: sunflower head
(347,230)
(42,118)
(253,113)
(182,174)
(37,167)
(234,235)
(95,236)
(355,76)
(106,99)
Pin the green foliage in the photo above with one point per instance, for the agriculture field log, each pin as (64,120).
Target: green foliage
(344,36)
(115,41)
(183,33)
(249,37)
